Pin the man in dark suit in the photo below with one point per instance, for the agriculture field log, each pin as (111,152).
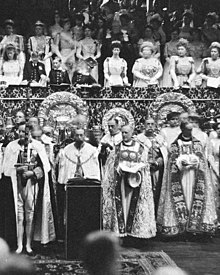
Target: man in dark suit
(57,74)
(34,71)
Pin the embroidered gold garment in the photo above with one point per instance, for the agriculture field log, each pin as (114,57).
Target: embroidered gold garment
(128,209)
(157,152)
(187,196)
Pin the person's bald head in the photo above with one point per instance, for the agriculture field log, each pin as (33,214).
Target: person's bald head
(127,132)
(128,127)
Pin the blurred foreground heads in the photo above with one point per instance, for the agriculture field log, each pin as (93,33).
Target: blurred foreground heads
(169,270)
(16,265)
(100,253)
(12,264)
(4,250)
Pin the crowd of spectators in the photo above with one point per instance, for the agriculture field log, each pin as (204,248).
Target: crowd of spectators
(114,47)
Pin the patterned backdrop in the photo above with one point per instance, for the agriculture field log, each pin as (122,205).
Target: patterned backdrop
(99,101)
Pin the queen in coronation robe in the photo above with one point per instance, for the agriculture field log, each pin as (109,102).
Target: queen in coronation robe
(128,207)
(187,197)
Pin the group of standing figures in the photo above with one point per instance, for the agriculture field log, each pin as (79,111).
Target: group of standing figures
(164,182)
(180,69)
(112,53)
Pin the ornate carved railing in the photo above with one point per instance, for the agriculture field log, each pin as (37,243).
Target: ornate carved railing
(99,101)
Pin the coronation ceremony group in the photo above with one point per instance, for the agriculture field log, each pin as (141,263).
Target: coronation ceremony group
(162,181)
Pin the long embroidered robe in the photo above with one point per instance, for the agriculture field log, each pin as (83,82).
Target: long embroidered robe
(126,210)
(157,148)
(178,211)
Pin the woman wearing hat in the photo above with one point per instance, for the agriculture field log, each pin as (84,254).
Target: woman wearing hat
(15,39)
(148,37)
(99,29)
(11,70)
(197,48)
(77,30)
(147,70)
(159,34)
(209,33)
(41,44)
(56,28)
(88,47)
(169,51)
(115,68)
(65,47)
(214,162)
(210,67)
(182,69)
(186,29)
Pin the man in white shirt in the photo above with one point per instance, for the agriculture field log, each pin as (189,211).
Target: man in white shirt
(78,160)
(110,140)
(171,132)
(114,136)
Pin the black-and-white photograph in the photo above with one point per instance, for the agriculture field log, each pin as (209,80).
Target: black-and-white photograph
(110,137)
